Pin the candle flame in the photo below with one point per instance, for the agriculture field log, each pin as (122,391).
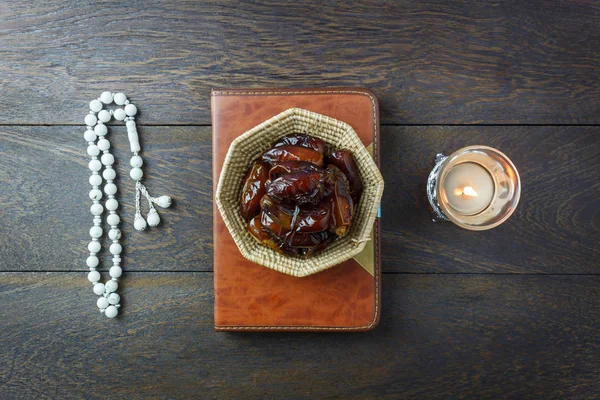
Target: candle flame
(467,191)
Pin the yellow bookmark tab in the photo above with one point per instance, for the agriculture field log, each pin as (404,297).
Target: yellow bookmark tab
(366,258)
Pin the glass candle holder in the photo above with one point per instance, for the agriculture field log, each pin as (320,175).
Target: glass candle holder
(476,187)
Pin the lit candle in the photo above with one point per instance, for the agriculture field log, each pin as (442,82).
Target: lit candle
(469,188)
(476,187)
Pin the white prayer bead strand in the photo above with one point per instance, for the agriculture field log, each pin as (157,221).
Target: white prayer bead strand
(101,167)
(99,130)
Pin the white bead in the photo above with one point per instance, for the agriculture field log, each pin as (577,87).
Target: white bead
(111,204)
(95,194)
(92,261)
(110,189)
(136,161)
(114,298)
(93,150)
(109,174)
(115,272)
(104,116)
(95,105)
(114,234)
(94,247)
(96,209)
(102,303)
(130,110)
(120,99)
(89,135)
(139,223)
(99,288)
(100,129)
(136,174)
(95,180)
(95,165)
(106,97)
(153,218)
(107,159)
(90,120)
(164,201)
(96,231)
(111,311)
(113,219)
(111,286)
(94,276)
(115,248)
(103,144)
(119,114)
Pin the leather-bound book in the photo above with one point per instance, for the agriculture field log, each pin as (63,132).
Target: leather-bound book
(250,297)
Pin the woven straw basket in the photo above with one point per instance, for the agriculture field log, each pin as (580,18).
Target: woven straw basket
(249,146)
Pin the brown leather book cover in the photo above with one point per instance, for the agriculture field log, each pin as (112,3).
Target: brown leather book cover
(250,297)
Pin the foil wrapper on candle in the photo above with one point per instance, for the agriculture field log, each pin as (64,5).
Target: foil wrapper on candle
(438,215)
(506,183)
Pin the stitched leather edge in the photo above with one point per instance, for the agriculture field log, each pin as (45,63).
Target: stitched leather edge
(372,98)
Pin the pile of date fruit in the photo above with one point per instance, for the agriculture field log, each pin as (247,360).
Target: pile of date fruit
(299,196)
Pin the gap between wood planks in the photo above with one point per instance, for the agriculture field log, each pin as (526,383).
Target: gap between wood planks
(386,125)
(383,273)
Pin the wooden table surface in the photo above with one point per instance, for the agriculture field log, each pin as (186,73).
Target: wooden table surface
(513,312)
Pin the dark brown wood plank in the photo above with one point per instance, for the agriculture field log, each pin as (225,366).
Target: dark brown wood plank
(45,203)
(441,336)
(556,228)
(429,61)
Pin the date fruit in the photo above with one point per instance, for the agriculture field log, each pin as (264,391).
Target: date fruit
(310,251)
(253,190)
(344,160)
(286,167)
(307,240)
(302,187)
(261,235)
(281,219)
(297,198)
(342,206)
(302,140)
(292,153)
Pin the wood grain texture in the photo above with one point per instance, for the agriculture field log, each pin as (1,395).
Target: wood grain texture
(429,61)
(446,331)
(556,228)
(45,205)
(441,336)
